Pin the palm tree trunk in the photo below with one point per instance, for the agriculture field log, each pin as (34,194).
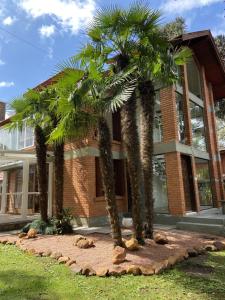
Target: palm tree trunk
(132,148)
(41,153)
(106,164)
(58,150)
(147,94)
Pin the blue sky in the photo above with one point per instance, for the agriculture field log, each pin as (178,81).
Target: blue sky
(36,35)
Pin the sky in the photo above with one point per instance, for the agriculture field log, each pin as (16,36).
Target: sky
(37,35)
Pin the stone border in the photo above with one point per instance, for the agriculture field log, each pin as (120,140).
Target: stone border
(151,269)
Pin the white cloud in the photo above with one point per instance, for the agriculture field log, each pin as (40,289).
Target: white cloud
(179,6)
(71,15)
(6,84)
(8,21)
(47,31)
(2,62)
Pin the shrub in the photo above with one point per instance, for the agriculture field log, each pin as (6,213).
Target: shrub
(54,226)
(63,225)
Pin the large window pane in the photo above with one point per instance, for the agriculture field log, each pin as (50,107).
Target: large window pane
(158,128)
(180,117)
(160,184)
(194,81)
(204,183)
(198,126)
(16,139)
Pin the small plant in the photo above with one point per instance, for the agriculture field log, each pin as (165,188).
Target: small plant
(63,225)
(54,225)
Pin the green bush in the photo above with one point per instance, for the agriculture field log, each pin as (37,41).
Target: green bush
(54,225)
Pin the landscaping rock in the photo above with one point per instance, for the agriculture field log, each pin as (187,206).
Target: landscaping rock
(101,272)
(159,266)
(56,255)
(150,243)
(220,246)
(147,270)
(200,249)
(31,251)
(88,271)
(63,259)
(192,252)
(32,233)
(4,241)
(132,244)
(210,248)
(70,262)
(77,238)
(10,243)
(135,270)
(161,239)
(22,235)
(76,269)
(85,244)
(119,255)
(117,271)
(47,253)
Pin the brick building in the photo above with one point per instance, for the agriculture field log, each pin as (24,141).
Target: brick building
(188,172)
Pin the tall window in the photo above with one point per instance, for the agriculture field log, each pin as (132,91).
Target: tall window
(160,184)
(198,126)
(194,78)
(204,183)
(158,128)
(180,117)
(116,126)
(119,176)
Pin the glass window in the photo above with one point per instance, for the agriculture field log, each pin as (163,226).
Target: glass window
(194,81)
(118,165)
(198,126)
(204,183)
(160,184)
(180,117)
(16,139)
(116,126)
(158,128)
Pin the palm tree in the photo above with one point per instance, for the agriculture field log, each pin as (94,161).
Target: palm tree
(29,107)
(156,61)
(90,97)
(115,43)
(134,38)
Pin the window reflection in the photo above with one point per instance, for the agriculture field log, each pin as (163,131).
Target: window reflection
(194,81)
(158,128)
(160,184)
(180,117)
(16,139)
(204,183)
(198,126)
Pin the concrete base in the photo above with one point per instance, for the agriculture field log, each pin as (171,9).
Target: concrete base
(92,221)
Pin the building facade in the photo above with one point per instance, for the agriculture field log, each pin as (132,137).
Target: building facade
(188,174)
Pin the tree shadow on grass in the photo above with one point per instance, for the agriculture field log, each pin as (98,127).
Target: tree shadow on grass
(16,285)
(202,275)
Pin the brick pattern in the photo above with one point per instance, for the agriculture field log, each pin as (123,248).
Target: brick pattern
(80,189)
(175,187)
(169,115)
(211,136)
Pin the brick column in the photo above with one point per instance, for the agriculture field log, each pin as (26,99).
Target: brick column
(210,136)
(169,114)
(217,153)
(175,187)
(197,199)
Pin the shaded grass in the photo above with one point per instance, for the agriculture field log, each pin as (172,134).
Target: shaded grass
(27,277)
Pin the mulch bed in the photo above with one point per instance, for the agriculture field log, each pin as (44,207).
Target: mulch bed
(149,259)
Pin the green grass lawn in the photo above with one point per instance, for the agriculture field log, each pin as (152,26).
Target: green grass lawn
(27,277)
